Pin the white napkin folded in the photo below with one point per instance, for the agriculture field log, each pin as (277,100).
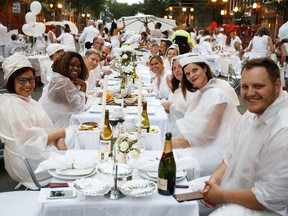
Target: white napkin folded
(59,161)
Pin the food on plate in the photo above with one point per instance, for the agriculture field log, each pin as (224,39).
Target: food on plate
(88,126)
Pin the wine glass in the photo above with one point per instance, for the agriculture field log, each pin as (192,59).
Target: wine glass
(118,114)
(113,122)
(150,89)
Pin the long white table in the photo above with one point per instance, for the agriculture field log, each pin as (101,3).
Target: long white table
(154,204)
(159,116)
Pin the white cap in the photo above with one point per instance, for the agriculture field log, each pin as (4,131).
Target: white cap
(192,59)
(13,63)
(53,48)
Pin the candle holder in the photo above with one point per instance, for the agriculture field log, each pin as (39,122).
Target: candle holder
(115,193)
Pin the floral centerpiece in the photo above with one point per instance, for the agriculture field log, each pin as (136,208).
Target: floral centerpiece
(126,144)
(125,59)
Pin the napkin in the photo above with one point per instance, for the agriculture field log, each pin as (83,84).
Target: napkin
(184,163)
(59,161)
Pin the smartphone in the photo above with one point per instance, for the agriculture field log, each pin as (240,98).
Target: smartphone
(188,196)
(62,194)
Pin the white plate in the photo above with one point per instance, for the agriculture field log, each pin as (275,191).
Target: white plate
(73,177)
(98,109)
(91,187)
(145,175)
(134,110)
(154,174)
(138,188)
(153,94)
(74,172)
(123,169)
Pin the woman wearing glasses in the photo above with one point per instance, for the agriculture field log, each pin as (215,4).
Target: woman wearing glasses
(24,121)
(159,80)
(66,92)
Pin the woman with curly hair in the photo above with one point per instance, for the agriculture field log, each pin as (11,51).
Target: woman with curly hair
(65,93)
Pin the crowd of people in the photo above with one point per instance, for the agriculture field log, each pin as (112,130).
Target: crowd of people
(244,156)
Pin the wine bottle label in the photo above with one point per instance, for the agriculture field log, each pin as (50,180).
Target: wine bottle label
(123,91)
(104,150)
(145,130)
(162,184)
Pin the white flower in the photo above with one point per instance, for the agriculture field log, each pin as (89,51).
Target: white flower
(132,137)
(124,146)
(124,56)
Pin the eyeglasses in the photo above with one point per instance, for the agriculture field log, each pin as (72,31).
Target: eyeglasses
(100,43)
(23,80)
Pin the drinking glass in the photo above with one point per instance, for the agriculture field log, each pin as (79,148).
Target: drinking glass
(150,89)
(119,114)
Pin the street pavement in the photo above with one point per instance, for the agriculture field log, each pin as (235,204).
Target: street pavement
(6,183)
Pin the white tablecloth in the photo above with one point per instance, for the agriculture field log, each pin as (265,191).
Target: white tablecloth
(19,203)
(154,204)
(159,117)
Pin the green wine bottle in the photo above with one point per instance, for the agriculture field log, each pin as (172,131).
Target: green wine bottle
(145,119)
(167,169)
(105,145)
(123,89)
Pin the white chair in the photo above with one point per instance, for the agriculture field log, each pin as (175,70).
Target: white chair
(234,78)
(20,169)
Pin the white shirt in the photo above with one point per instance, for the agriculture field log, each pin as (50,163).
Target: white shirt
(208,123)
(88,34)
(61,98)
(3,35)
(162,90)
(257,156)
(178,109)
(233,40)
(67,40)
(27,122)
(260,47)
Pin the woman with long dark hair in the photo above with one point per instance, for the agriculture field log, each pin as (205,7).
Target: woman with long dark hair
(114,33)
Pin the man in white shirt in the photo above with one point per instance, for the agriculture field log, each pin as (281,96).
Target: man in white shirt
(156,33)
(89,33)
(253,177)
(3,39)
(234,38)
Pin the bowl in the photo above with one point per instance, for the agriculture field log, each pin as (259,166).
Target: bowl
(118,100)
(130,101)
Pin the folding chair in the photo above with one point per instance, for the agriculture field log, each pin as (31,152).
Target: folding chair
(234,79)
(20,169)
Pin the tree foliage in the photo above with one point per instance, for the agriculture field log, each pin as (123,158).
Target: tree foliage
(88,6)
(151,7)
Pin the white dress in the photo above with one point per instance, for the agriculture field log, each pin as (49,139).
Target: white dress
(115,41)
(67,40)
(208,123)
(178,109)
(24,120)
(257,158)
(162,90)
(260,47)
(61,98)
